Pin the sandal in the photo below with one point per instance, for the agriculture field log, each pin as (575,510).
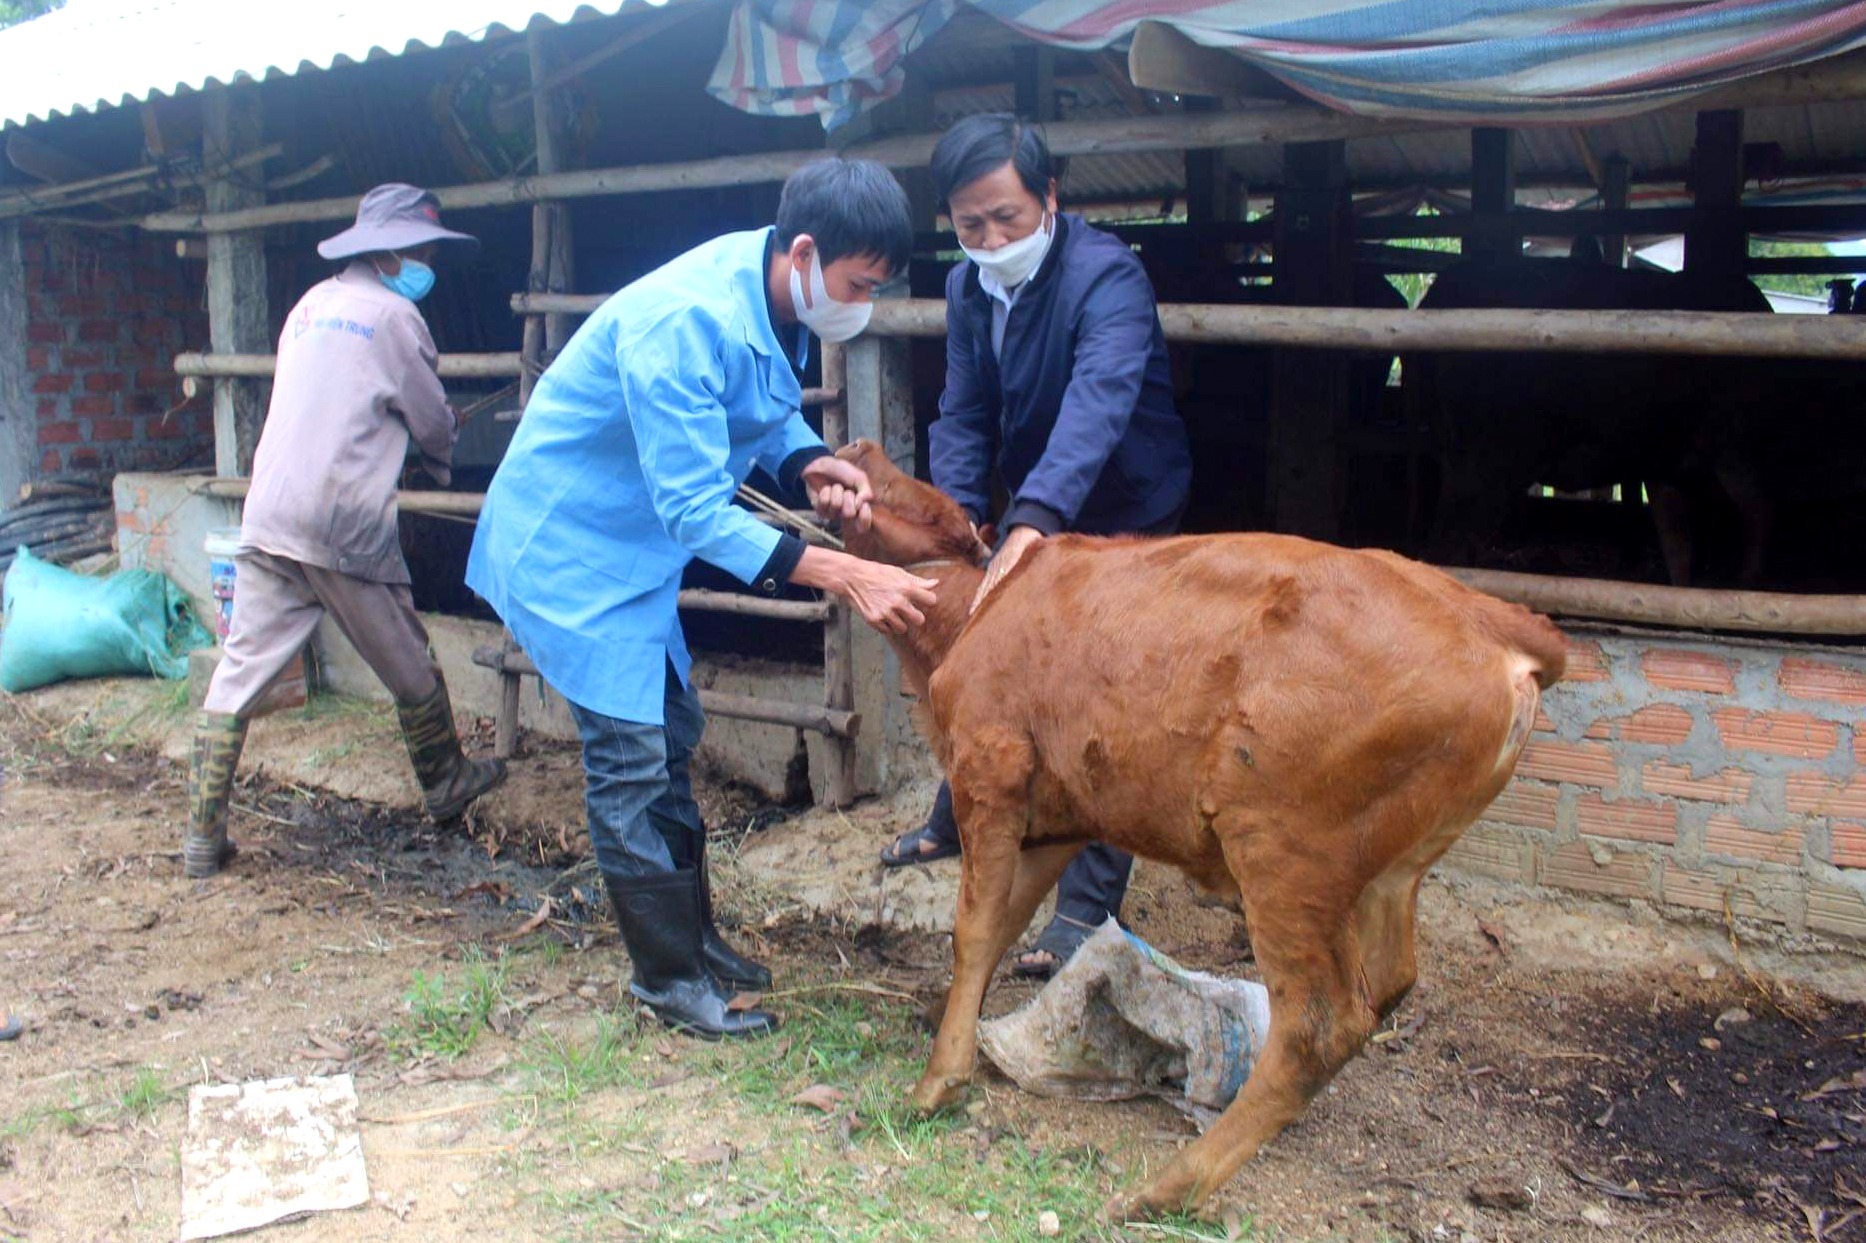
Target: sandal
(911,849)
(1053,947)
(10,1026)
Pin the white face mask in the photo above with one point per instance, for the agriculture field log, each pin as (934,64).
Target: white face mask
(829,319)
(1013,263)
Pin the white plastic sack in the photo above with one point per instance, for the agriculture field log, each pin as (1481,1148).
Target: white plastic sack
(1122,1019)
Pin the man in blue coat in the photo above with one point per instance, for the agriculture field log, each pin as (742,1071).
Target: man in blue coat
(1057,378)
(623,470)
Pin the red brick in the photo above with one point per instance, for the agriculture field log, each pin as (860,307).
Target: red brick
(93,405)
(85,459)
(151,331)
(1543,724)
(54,384)
(105,382)
(1724,836)
(45,332)
(1776,733)
(78,357)
(1820,679)
(1631,819)
(1859,745)
(1751,895)
(1836,909)
(158,378)
(1811,794)
(1583,763)
(1525,805)
(1664,724)
(50,408)
(1849,846)
(82,304)
(1689,671)
(1572,867)
(97,330)
(1586,662)
(59,434)
(158,428)
(1675,780)
(50,463)
(38,358)
(113,429)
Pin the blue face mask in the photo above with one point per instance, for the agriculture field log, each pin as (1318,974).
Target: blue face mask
(412,282)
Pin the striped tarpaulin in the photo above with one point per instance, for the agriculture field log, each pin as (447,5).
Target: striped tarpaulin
(1475,61)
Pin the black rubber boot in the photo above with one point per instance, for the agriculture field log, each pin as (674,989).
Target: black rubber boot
(660,921)
(729,967)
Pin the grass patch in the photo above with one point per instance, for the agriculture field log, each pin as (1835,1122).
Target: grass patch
(144,1094)
(447,1012)
(874,1169)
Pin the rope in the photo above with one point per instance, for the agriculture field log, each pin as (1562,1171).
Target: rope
(811,530)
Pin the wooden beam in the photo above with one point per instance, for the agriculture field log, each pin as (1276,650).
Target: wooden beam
(1308,393)
(452,366)
(1253,127)
(1698,333)
(238,315)
(842,784)
(19,419)
(1491,235)
(1686,607)
(117,185)
(1615,185)
(1159,58)
(1033,81)
(813,717)
(1715,242)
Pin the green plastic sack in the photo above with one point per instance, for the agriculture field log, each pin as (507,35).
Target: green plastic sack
(62,625)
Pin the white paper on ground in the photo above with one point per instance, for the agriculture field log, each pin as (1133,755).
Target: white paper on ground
(262,1151)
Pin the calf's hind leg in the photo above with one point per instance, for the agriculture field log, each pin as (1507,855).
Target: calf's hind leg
(1302,926)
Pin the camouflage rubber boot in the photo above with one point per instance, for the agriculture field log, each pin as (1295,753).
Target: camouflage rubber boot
(218,737)
(449,780)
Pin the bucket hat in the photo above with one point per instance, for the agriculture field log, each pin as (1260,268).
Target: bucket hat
(395,217)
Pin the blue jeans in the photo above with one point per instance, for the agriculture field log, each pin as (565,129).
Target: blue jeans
(636,791)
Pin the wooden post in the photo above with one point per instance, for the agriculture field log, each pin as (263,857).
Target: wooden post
(1308,390)
(19,421)
(879,383)
(1493,196)
(239,320)
(842,783)
(1715,242)
(1033,81)
(1616,187)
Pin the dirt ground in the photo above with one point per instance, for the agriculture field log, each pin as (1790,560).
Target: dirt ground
(1563,1071)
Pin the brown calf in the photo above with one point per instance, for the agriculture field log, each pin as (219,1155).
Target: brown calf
(1301,727)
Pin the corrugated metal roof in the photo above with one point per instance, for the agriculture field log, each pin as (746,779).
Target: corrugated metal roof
(98,54)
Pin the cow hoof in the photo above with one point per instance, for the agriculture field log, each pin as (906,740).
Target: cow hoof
(1148,1204)
(936,1092)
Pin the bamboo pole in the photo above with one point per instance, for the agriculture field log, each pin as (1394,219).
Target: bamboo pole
(58,195)
(1717,334)
(737,707)
(1690,608)
(452,366)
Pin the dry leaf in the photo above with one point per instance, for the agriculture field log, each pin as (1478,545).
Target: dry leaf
(819,1096)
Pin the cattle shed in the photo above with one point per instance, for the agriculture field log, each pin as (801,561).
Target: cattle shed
(1653,457)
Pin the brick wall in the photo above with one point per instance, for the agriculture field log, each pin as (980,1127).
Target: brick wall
(106,315)
(1691,775)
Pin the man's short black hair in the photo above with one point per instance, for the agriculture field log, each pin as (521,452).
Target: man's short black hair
(850,207)
(977,145)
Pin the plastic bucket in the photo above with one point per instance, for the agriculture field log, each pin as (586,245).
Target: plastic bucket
(220,545)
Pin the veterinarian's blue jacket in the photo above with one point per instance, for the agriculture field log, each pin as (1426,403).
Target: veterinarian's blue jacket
(1078,414)
(624,469)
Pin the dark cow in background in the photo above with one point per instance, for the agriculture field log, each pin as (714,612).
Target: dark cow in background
(1504,422)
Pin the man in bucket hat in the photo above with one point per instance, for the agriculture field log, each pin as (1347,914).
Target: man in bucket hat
(355,382)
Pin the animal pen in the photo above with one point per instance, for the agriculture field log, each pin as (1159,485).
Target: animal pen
(1707,751)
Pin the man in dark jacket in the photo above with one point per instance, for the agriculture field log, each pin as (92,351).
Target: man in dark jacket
(1057,377)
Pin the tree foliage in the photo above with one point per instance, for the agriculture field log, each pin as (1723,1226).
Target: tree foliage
(13,12)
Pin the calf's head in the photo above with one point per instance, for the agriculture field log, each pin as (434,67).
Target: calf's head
(914,521)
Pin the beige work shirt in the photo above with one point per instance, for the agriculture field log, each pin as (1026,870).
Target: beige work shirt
(356,380)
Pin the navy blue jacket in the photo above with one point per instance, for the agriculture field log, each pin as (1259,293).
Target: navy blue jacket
(1080,419)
